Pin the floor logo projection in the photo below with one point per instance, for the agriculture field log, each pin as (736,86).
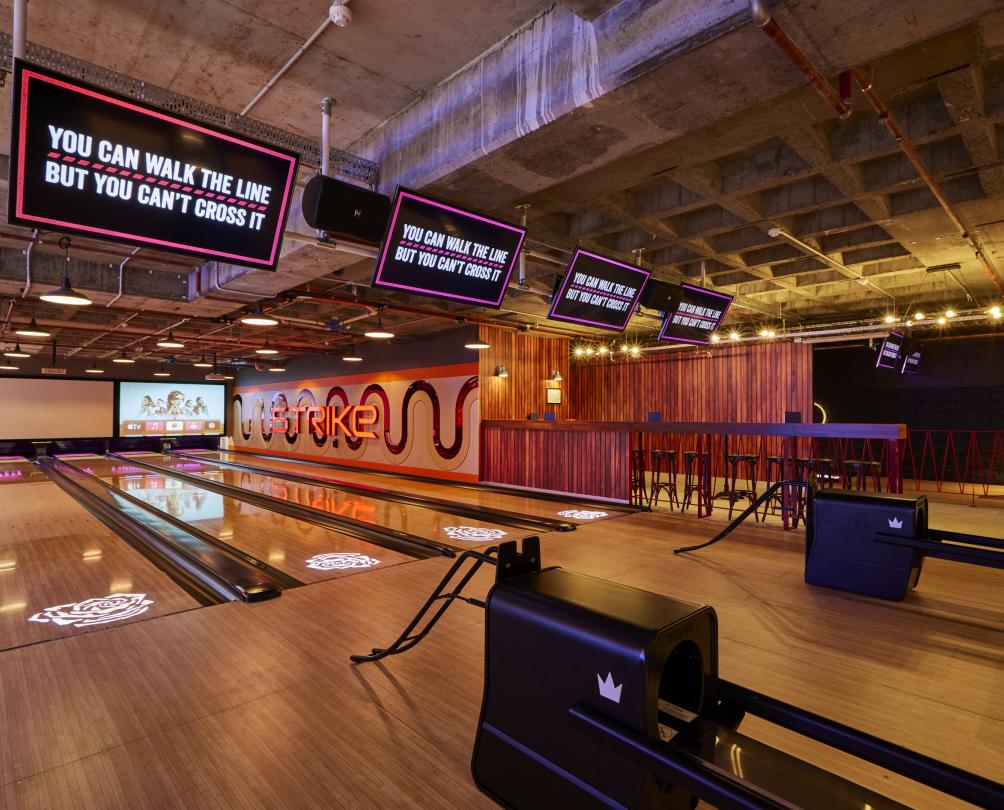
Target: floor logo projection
(341,561)
(115,607)
(475,533)
(582,514)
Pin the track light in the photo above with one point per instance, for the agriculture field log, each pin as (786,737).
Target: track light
(918,316)
(170,342)
(715,338)
(203,363)
(942,320)
(579,351)
(635,351)
(32,330)
(602,350)
(949,313)
(266,349)
(500,371)
(16,352)
(995,313)
(890,319)
(733,335)
(258,318)
(65,295)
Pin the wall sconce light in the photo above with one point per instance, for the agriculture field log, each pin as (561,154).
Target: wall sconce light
(500,371)
(556,376)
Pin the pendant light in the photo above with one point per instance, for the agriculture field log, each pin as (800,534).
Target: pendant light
(65,295)
(266,349)
(352,357)
(16,352)
(203,363)
(32,330)
(162,372)
(123,359)
(9,367)
(379,333)
(94,369)
(170,342)
(477,345)
(258,318)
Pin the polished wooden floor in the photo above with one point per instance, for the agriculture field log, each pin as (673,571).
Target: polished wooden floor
(257,706)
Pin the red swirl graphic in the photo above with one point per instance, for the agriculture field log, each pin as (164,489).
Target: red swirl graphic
(446,452)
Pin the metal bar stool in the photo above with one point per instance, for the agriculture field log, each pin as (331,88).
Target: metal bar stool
(694,466)
(748,461)
(663,461)
(856,473)
(775,472)
(805,469)
(639,487)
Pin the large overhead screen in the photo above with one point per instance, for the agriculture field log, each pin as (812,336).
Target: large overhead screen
(891,351)
(91,162)
(437,249)
(171,409)
(597,291)
(695,316)
(56,409)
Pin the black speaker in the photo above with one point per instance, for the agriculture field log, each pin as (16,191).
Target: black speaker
(345,211)
(660,295)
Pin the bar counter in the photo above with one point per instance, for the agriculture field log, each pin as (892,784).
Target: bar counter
(551,455)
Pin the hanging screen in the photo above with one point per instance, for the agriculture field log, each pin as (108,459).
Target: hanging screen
(87,161)
(597,291)
(434,248)
(171,409)
(891,351)
(696,314)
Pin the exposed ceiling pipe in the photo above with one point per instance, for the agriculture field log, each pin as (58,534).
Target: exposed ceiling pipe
(906,145)
(781,233)
(27,261)
(122,265)
(20,33)
(101,335)
(522,208)
(787,46)
(94,251)
(326,103)
(289,63)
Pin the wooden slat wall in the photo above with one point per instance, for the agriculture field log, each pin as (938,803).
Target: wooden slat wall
(580,463)
(755,383)
(530,359)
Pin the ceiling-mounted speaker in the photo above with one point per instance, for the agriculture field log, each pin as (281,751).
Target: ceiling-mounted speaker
(659,295)
(345,211)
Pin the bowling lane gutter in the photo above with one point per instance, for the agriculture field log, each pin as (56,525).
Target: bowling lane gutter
(392,539)
(569,501)
(210,578)
(281,578)
(440,504)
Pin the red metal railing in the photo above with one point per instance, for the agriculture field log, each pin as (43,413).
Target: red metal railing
(964,462)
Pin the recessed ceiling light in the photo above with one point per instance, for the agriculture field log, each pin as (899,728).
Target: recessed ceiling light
(32,330)
(170,343)
(66,296)
(16,352)
(266,349)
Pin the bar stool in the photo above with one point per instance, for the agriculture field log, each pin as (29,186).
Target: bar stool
(748,461)
(775,472)
(639,487)
(856,473)
(694,466)
(806,469)
(663,461)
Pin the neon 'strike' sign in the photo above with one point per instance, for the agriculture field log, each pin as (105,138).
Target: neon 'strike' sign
(326,420)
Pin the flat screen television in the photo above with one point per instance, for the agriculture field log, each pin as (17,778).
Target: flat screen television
(891,351)
(911,359)
(597,291)
(695,315)
(171,409)
(88,161)
(438,249)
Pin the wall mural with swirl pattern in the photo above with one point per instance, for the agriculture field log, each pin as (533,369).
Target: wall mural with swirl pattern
(420,421)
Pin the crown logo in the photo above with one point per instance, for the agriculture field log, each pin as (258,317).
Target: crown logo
(608,689)
(895,523)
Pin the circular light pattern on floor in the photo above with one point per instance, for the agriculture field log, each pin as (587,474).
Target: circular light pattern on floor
(341,561)
(582,514)
(477,534)
(115,607)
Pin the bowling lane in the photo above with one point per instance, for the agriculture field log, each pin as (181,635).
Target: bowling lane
(520,504)
(429,524)
(62,572)
(302,550)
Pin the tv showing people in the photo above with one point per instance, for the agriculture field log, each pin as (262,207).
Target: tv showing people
(171,409)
